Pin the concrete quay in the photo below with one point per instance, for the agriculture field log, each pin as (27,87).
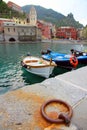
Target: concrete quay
(20,109)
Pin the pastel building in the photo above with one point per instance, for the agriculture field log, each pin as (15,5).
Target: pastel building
(14,6)
(10,31)
(66,33)
(29,29)
(14,32)
(20,21)
(45,29)
(28,33)
(21,29)
(2,20)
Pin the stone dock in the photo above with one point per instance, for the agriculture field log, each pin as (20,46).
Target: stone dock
(20,109)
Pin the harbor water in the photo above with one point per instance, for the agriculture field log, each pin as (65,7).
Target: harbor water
(12,75)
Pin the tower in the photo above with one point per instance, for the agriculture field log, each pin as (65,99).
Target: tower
(33,16)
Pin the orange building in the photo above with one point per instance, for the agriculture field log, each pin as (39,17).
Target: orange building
(14,6)
(66,33)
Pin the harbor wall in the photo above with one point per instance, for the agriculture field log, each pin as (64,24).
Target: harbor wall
(21,108)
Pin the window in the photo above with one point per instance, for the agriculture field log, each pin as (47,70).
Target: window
(22,30)
(14,29)
(8,29)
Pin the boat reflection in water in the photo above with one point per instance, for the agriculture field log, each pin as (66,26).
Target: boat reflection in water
(30,78)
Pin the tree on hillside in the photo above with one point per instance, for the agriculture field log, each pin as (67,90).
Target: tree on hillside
(6,12)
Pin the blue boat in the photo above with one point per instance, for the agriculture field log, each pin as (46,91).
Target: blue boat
(68,61)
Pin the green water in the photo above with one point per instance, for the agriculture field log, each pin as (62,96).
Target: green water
(12,75)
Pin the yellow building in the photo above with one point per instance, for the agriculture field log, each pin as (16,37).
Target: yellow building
(30,20)
(20,21)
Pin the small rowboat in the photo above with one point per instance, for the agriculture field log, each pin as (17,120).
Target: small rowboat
(38,66)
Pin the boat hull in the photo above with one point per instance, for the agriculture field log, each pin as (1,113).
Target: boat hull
(62,60)
(43,72)
(64,64)
(82,60)
(38,66)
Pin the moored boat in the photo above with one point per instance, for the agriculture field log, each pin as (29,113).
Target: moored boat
(38,66)
(67,61)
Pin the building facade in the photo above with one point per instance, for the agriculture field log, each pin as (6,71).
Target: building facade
(20,29)
(28,33)
(2,20)
(14,7)
(14,32)
(66,33)
(29,29)
(45,29)
(10,31)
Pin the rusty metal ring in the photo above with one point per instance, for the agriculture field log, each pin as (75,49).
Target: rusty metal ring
(58,120)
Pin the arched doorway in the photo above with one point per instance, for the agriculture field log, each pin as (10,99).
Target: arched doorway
(12,39)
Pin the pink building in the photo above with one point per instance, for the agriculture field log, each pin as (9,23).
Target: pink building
(14,6)
(45,29)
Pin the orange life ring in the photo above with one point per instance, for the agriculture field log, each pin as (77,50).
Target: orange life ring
(73,61)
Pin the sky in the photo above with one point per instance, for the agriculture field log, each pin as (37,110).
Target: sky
(77,7)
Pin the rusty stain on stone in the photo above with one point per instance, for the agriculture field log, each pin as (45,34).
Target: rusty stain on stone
(31,103)
(53,114)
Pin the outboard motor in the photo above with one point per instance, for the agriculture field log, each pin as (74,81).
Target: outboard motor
(48,51)
(28,54)
(72,51)
(43,52)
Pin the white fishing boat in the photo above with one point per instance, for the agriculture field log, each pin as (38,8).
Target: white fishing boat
(38,66)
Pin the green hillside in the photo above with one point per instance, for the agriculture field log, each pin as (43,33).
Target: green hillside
(50,15)
(6,12)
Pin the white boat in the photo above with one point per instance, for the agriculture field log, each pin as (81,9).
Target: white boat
(38,66)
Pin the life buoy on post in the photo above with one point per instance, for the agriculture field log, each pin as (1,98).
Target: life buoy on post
(73,61)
